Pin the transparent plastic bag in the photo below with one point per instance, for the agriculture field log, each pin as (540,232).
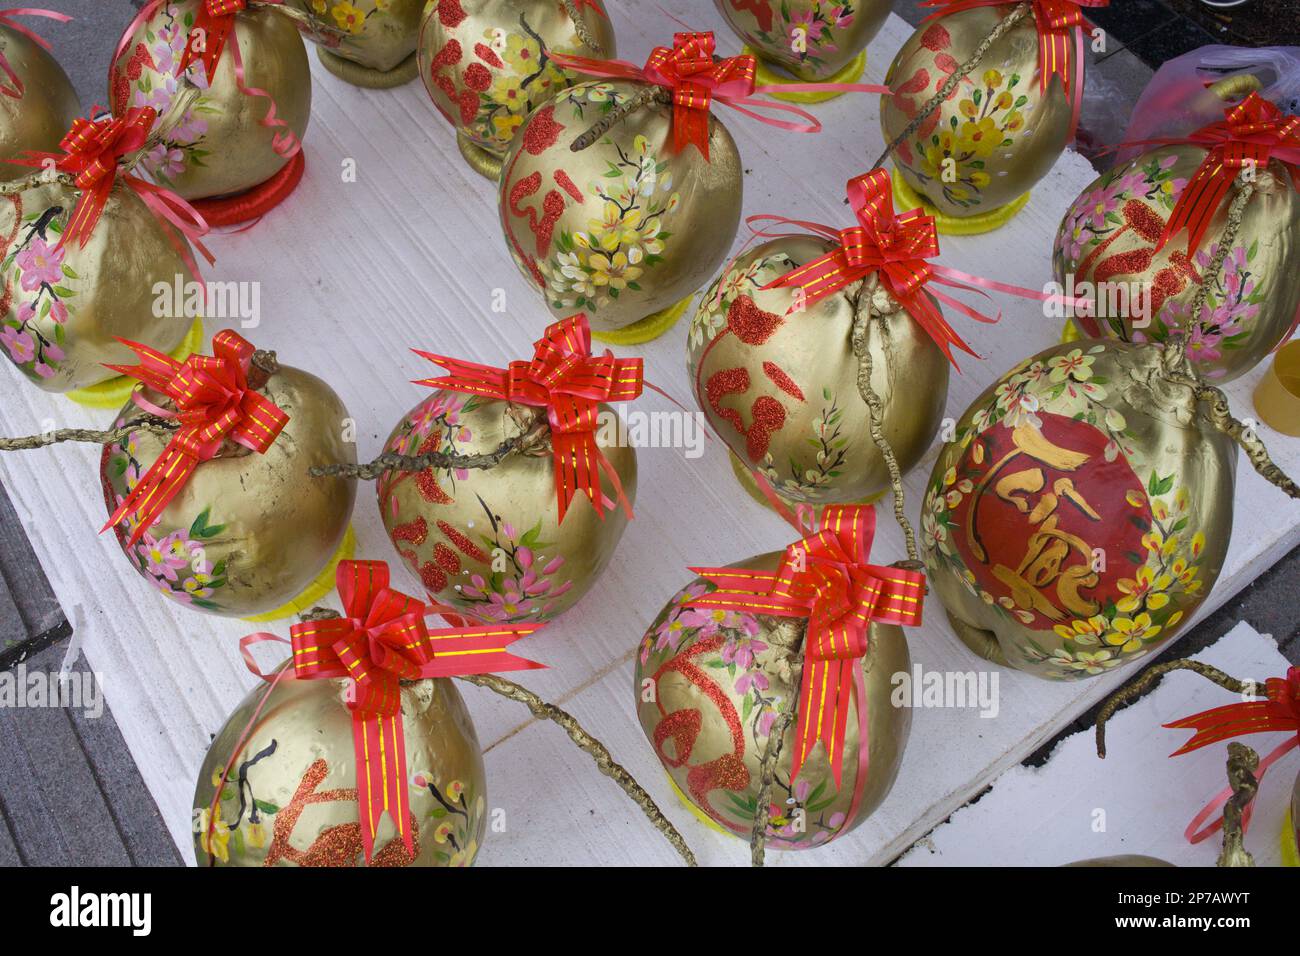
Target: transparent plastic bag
(1179,98)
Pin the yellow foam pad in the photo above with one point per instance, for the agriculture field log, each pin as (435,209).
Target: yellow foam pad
(905,197)
(851,72)
(651,327)
(114,392)
(321,586)
(1290,852)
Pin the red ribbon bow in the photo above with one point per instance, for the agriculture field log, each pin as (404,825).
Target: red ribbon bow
(380,642)
(214,404)
(894,246)
(1251,133)
(826,579)
(15,89)
(1279,712)
(570,383)
(212,25)
(689,71)
(696,81)
(92,151)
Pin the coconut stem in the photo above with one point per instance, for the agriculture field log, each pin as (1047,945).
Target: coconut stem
(392,461)
(147,423)
(775,742)
(591,746)
(581,29)
(1242,764)
(1021,11)
(1178,367)
(1139,687)
(620,111)
(875,413)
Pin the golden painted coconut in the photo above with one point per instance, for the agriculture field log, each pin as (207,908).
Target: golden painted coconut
(291,796)
(625,228)
(811,39)
(487,63)
(378,34)
(221,146)
(248,532)
(780,387)
(1082,512)
(37,110)
(63,306)
(1108,240)
(709,687)
(488,539)
(997,136)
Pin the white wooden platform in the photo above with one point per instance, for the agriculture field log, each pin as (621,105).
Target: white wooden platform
(1137,800)
(352,275)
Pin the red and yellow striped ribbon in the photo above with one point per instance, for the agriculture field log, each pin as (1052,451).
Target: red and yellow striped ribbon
(826,579)
(214,403)
(1055,20)
(570,383)
(1251,133)
(895,246)
(381,641)
(689,70)
(213,22)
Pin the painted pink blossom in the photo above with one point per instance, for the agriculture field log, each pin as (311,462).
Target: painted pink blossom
(740,651)
(19,343)
(40,264)
(751,680)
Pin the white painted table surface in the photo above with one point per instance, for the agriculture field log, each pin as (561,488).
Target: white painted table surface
(353,275)
(1046,816)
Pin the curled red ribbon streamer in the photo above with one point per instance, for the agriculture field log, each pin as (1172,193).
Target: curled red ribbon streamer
(1250,134)
(696,81)
(14,89)
(826,579)
(570,383)
(214,403)
(1280,711)
(381,641)
(92,153)
(1055,21)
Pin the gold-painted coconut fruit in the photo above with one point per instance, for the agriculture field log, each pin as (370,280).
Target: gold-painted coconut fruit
(43,108)
(811,39)
(625,228)
(709,687)
(247,532)
(1082,512)
(487,64)
(996,136)
(221,146)
(780,387)
(291,796)
(1108,239)
(62,306)
(378,35)
(489,540)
